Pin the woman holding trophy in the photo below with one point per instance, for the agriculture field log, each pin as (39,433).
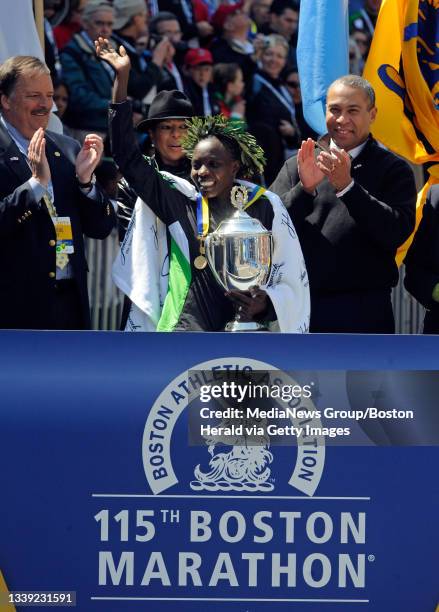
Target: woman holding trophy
(195,299)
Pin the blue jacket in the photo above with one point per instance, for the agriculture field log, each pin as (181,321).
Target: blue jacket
(89,83)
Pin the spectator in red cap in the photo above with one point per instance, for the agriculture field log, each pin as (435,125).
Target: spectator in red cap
(232,24)
(198,65)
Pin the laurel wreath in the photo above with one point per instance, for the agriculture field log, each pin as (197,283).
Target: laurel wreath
(252,155)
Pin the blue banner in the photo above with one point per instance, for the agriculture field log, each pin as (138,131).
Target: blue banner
(104,495)
(322,54)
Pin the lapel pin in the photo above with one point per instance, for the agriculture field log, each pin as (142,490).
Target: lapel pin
(57,154)
(358,166)
(14,159)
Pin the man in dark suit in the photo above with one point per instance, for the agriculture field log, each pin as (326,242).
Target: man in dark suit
(422,262)
(48,199)
(352,206)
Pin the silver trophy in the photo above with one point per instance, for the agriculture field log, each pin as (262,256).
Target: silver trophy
(239,254)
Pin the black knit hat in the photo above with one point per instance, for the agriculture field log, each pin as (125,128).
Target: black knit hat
(172,104)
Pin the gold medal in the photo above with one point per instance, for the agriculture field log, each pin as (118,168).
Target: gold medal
(200,262)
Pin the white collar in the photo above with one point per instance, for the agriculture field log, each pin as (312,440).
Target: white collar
(355,152)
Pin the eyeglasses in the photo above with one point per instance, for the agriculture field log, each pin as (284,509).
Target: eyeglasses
(101,24)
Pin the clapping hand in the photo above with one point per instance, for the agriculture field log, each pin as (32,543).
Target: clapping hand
(37,158)
(89,157)
(310,173)
(336,165)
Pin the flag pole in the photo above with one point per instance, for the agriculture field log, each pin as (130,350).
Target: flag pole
(39,20)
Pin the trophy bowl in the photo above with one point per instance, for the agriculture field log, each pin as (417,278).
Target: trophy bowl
(239,254)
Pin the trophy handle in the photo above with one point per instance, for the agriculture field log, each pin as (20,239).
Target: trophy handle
(209,243)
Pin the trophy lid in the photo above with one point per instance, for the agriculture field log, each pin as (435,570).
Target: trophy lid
(240,222)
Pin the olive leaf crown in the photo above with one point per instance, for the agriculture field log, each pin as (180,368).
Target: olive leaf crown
(252,155)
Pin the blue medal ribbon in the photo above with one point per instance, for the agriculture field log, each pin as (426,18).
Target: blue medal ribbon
(202,216)
(254,195)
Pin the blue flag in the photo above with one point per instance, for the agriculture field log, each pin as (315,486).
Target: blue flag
(322,54)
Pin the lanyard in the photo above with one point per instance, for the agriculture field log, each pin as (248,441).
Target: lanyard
(202,216)
(283,96)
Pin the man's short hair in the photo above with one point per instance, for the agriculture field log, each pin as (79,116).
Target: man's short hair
(14,67)
(279,6)
(161,16)
(357,82)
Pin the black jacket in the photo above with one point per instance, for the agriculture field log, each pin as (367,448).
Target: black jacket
(264,114)
(195,95)
(126,196)
(27,234)
(205,308)
(349,243)
(142,77)
(223,52)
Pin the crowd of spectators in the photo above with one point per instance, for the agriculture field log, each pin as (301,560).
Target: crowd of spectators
(235,58)
(351,205)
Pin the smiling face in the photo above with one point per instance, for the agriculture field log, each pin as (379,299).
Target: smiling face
(28,105)
(166,136)
(349,116)
(213,169)
(273,60)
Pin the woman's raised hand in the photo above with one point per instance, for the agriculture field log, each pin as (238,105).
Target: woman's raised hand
(117,60)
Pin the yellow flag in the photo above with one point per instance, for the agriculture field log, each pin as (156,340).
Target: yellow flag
(403,67)
(4,607)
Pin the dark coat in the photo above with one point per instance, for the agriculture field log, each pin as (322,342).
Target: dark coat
(223,52)
(142,78)
(27,233)
(422,261)
(195,95)
(186,20)
(89,85)
(349,243)
(264,114)
(205,307)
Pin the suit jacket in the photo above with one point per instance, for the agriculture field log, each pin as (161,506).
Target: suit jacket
(422,261)
(27,233)
(349,243)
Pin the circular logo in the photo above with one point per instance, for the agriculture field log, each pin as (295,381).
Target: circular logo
(246,466)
